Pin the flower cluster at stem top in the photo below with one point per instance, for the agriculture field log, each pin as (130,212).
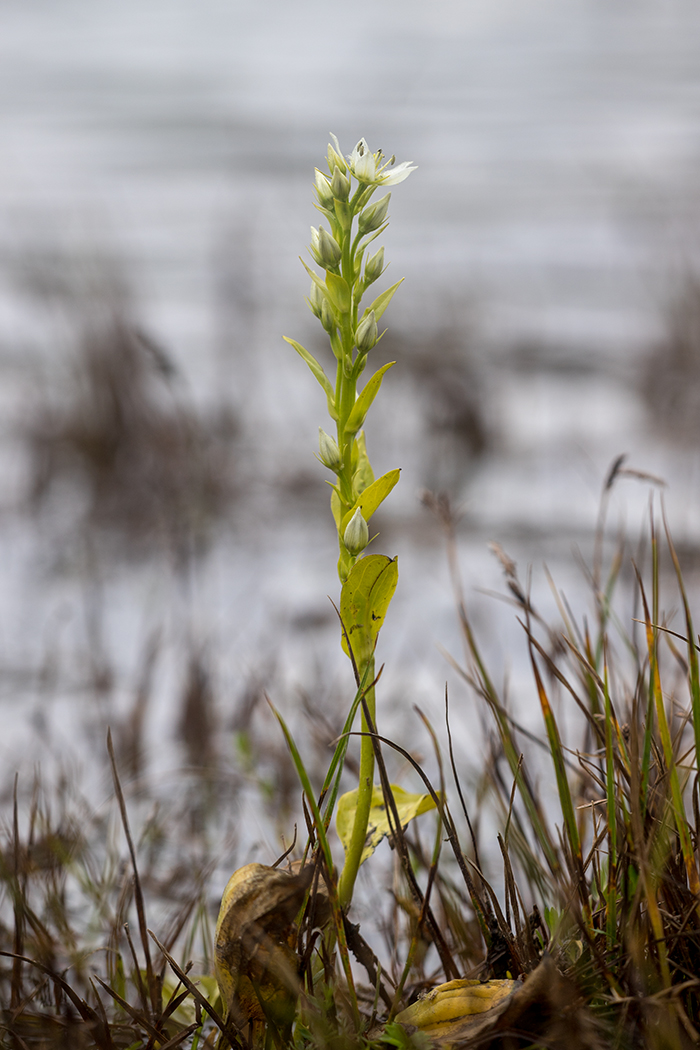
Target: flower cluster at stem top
(341,249)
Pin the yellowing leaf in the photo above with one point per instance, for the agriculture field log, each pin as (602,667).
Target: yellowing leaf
(438,1012)
(186,1012)
(408,805)
(256,967)
(364,600)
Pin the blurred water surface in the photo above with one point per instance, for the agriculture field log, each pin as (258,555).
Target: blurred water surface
(173,144)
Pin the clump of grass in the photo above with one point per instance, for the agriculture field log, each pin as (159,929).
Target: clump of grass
(594,904)
(612,857)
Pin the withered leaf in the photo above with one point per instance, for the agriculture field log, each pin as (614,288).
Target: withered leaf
(256,966)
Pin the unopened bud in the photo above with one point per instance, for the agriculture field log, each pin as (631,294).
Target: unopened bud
(366,334)
(373,216)
(374,266)
(328,451)
(327,248)
(314,248)
(316,300)
(335,157)
(340,185)
(356,536)
(323,189)
(327,317)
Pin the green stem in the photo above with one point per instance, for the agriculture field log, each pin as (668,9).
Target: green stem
(353,856)
(346,394)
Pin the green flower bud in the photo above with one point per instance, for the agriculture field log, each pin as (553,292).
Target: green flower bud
(340,185)
(366,334)
(313,247)
(374,267)
(324,248)
(356,536)
(327,317)
(335,157)
(323,190)
(373,216)
(316,300)
(328,451)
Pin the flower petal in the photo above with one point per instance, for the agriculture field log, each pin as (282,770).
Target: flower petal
(398,174)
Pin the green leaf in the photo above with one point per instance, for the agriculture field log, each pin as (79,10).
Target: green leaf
(373,236)
(319,374)
(364,475)
(320,284)
(382,301)
(409,806)
(362,405)
(364,600)
(335,507)
(338,292)
(185,1013)
(343,213)
(372,496)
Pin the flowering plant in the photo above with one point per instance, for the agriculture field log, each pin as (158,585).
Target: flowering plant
(341,251)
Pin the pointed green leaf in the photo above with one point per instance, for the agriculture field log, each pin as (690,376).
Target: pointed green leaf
(366,397)
(320,284)
(373,495)
(343,213)
(382,301)
(364,475)
(318,372)
(338,292)
(409,807)
(335,507)
(373,236)
(364,600)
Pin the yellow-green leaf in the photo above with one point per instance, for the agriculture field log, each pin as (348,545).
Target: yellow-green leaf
(335,507)
(186,1012)
(365,399)
(372,496)
(364,475)
(364,600)
(382,301)
(338,292)
(408,806)
(318,373)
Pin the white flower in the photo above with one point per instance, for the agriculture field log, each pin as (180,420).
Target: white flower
(371,167)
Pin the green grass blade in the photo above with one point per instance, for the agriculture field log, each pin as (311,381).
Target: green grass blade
(328,857)
(611,806)
(557,753)
(693,670)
